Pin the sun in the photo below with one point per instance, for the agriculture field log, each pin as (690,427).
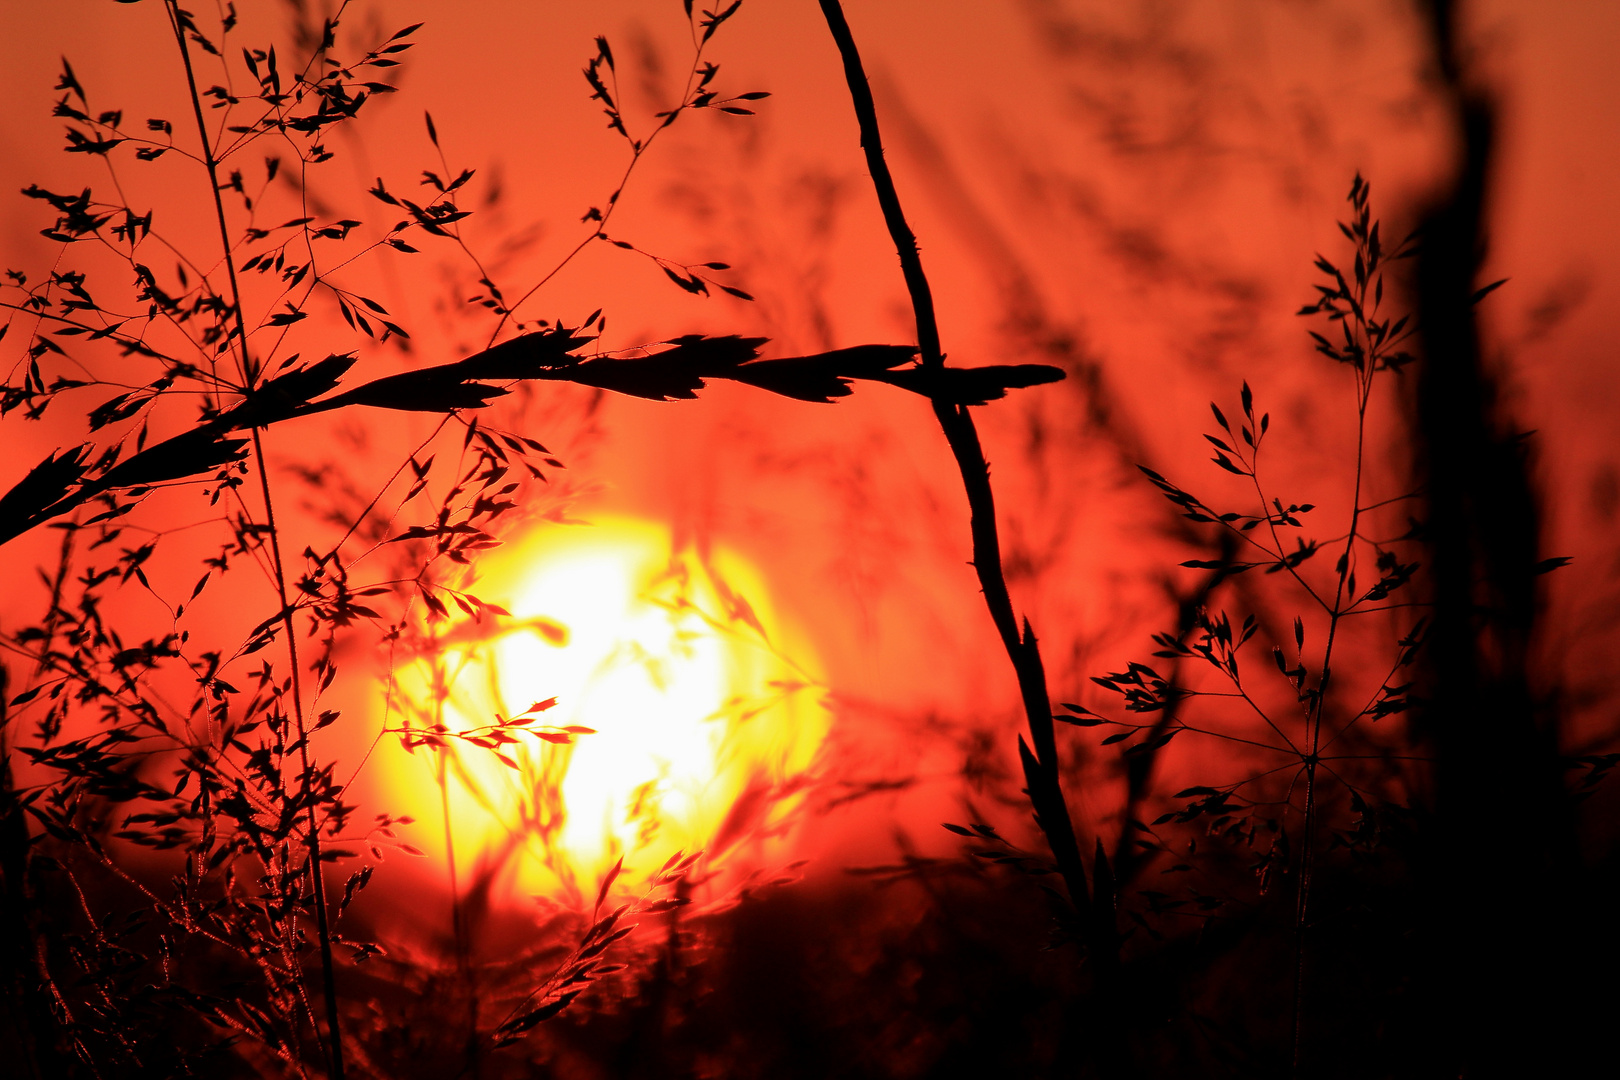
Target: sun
(687,712)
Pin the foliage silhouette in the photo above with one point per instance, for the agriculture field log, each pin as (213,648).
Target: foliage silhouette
(1312,905)
(276,805)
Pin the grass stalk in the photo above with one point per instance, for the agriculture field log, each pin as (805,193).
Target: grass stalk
(1039,757)
(249,377)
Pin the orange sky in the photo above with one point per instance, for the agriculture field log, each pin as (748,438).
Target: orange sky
(1146,181)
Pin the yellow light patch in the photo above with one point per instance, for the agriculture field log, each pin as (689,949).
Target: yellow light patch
(703,703)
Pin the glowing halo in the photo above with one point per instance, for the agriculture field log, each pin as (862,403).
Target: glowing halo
(702,707)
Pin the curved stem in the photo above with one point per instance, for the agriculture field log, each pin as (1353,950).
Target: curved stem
(1041,765)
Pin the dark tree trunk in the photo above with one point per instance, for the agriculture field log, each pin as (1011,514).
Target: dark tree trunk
(1488,999)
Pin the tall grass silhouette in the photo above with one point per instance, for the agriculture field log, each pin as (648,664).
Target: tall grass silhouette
(184,862)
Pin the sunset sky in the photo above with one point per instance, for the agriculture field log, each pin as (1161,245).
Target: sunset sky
(380,674)
(1135,191)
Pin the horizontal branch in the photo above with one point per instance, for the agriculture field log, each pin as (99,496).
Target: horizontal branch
(67,480)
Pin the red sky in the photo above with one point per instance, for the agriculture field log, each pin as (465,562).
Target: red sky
(1146,181)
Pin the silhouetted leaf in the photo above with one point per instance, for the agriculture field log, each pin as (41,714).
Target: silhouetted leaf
(970,386)
(190,454)
(824,376)
(437,389)
(674,373)
(525,357)
(46,483)
(281,397)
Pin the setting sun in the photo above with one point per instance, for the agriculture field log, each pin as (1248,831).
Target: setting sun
(685,712)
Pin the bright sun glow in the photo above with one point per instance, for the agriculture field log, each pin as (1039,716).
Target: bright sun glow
(703,708)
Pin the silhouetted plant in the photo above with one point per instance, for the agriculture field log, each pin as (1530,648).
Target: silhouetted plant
(230,781)
(171,834)
(1325,713)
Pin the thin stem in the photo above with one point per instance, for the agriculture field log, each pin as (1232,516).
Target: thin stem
(1276,553)
(1041,766)
(212,165)
(1314,717)
(328,980)
(64,563)
(458,916)
(1224,737)
(637,149)
(249,376)
(1365,709)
